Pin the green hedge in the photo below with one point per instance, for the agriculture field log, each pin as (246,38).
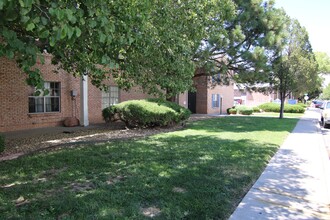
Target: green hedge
(274,107)
(232,111)
(2,143)
(244,110)
(146,113)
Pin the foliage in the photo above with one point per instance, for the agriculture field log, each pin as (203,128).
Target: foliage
(302,104)
(228,109)
(239,49)
(256,109)
(156,44)
(181,174)
(326,93)
(323,60)
(147,113)
(79,34)
(295,69)
(246,111)
(109,113)
(2,143)
(163,60)
(274,107)
(233,111)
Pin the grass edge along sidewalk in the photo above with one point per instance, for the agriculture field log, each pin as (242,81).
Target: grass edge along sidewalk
(201,172)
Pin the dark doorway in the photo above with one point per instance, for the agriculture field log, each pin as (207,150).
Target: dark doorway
(192,101)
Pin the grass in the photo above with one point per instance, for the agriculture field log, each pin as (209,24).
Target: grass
(277,115)
(201,172)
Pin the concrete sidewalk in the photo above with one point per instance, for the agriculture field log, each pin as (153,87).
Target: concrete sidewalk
(296,182)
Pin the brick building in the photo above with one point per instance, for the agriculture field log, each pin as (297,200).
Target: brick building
(250,98)
(209,97)
(20,109)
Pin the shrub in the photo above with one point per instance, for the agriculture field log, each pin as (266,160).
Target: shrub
(270,107)
(256,109)
(294,109)
(233,111)
(302,104)
(110,113)
(245,109)
(274,107)
(147,113)
(246,112)
(2,143)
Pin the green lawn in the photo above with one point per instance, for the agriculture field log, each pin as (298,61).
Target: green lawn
(201,172)
(277,115)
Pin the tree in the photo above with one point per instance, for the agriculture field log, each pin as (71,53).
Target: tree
(239,48)
(295,69)
(81,35)
(155,44)
(163,60)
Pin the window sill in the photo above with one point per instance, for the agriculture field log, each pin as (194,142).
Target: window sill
(42,114)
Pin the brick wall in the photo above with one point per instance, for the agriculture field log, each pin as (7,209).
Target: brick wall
(204,97)
(257,98)
(14,93)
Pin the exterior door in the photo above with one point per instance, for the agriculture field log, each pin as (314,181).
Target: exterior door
(192,101)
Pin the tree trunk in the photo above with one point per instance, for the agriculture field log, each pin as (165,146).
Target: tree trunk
(282,94)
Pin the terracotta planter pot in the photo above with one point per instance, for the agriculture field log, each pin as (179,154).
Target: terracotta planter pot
(71,122)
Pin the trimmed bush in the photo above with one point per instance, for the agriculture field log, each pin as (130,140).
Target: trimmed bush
(244,110)
(228,109)
(147,113)
(274,107)
(302,104)
(2,143)
(233,111)
(256,109)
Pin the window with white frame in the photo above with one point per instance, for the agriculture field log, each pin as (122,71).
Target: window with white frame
(110,97)
(46,102)
(215,100)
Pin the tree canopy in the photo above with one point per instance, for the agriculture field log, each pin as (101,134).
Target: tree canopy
(156,44)
(81,35)
(323,61)
(239,48)
(295,70)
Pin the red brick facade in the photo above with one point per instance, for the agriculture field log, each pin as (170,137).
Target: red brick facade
(204,96)
(14,93)
(14,98)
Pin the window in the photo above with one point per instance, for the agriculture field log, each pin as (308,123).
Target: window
(46,103)
(110,97)
(215,100)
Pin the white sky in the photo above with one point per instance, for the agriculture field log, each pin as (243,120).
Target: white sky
(314,15)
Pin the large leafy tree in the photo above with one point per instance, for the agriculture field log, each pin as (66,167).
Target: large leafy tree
(163,60)
(156,44)
(81,35)
(295,69)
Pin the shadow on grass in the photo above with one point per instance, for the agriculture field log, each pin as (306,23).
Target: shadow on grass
(170,176)
(165,178)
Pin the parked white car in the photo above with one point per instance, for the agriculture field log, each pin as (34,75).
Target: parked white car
(325,114)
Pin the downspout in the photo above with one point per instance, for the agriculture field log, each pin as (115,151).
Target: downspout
(84,101)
